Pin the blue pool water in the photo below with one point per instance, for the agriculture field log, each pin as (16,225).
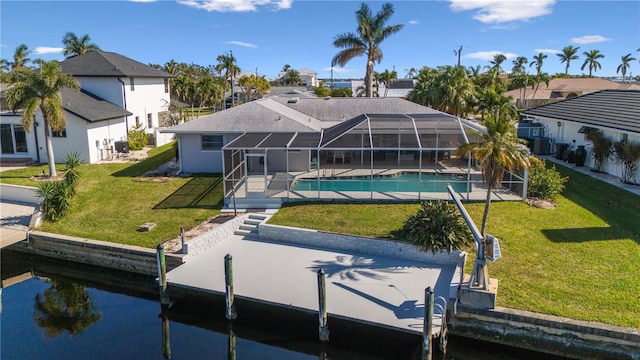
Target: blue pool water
(406,182)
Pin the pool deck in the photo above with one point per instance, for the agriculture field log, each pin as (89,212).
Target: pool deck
(371,289)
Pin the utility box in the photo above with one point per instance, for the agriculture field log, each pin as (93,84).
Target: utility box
(122,147)
(542,146)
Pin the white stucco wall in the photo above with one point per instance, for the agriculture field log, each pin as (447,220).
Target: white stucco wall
(110,130)
(568,133)
(195,160)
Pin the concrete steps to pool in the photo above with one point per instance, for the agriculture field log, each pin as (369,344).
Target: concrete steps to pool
(250,225)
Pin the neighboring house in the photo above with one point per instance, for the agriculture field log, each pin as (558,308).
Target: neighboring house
(93,125)
(397,89)
(308,77)
(561,89)
(117,94)
(140,89)
(200,141)
(614,112)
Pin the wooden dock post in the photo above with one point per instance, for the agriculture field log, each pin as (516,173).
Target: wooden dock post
(166,344)
(228,278)
(322,307)
(182,249)
(162,275)
(427,324)
(231,345)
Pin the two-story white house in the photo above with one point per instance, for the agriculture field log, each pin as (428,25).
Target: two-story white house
(140,89)
(117,93)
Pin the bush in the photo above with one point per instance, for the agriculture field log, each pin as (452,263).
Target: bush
(436,226)
(56,199)
(138,137)
(544,182)
(72,161)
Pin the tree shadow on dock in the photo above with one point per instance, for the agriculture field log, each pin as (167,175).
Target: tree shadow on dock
(348,267)
(409,309)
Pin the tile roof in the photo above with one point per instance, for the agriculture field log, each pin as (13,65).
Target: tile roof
(578,85)
(616,109)
(109,64)
(90,107)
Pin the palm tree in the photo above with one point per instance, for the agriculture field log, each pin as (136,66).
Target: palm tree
(447,89)
(40,90)
(542,77)
(592,57)
(518,65)
(227,63)
(411,73)
(386,78)
(497,61)
(285,69)
(538,60)
(20,57)
(371,32)
(568,54)
(522,81)
(626,59)
(498,151)
(77,46)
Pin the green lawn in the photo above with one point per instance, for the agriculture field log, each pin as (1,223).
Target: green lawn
(580,260)
(113,200)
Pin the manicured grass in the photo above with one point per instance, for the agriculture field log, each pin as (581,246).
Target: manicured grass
(113,200)
(580,260)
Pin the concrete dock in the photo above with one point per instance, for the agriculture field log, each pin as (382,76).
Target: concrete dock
(372,289)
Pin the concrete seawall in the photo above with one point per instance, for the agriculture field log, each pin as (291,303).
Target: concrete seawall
(93,252)
(545,333)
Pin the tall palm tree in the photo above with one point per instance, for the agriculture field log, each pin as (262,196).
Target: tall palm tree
(40,90)
(285,69)
(20,57)
(626,59)
(499,150)
(227,64)
(411,73)
(386,78)
(519,64)
(74,45)
(497,62)
(538,60)
(591,59)
(371,32)
(568,54)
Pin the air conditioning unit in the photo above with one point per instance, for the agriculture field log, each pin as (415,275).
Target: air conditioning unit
(122,147)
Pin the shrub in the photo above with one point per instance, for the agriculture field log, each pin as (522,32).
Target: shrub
(436,226)
(72,161)
(138,137)
(56,199)
(628,154)
(544,182)
(601,148)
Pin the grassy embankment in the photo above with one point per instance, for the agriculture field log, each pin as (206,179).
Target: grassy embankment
(114,199)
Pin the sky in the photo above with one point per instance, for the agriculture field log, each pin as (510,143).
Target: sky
(264,35)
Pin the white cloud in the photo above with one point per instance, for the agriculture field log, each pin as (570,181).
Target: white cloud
(547,51)
(500,11)
(413,22)
(488,55)
(47,50)
(236,5)
(240,43)
(507,27)
(589,39)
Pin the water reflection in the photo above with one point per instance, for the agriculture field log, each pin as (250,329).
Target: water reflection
(64,307)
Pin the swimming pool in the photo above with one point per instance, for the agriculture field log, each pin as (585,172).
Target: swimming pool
(405,182)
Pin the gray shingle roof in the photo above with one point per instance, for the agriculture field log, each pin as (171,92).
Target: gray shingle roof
(90,107)
(616,109)
(276,114)
(109,64)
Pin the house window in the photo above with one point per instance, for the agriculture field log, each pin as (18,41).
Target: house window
(587,130)
(137,121)
(149,121)
(624,136)
(212,142)
(166,86)
(133,86)
(59,134)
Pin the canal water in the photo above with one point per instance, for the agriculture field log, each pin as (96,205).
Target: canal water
(60,310)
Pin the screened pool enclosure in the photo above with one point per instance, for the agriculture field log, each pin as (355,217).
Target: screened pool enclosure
(372,156)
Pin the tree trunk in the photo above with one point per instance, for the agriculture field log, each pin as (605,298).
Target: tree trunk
(368,81)
(49,145)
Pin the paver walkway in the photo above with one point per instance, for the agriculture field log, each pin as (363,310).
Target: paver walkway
(367,288)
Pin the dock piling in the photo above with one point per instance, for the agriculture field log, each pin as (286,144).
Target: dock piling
(162,274)
(322,307)
(427,324)
(182,248)
(166,343)
(228,277)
